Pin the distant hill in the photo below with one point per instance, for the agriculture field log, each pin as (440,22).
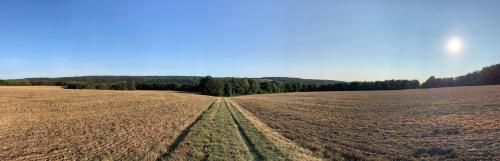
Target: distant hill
(291,79)
(114,79)
(155,79)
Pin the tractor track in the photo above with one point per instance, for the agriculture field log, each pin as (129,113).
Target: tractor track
(244,136)
(223,132)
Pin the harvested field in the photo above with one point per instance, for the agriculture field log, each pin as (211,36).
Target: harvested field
(50,123)
(223,132)
(446,123)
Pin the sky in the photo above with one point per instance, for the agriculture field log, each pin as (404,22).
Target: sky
(321,39)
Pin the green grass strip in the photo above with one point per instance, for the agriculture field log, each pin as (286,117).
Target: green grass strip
(265,148)
(214,137)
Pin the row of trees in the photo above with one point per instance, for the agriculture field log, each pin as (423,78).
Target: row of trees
(103,86)
(377,85)
(15,83)
(192,87)
(235,86)
(245,86)
(157,82)
(133,86)
(230,87)
(242,86)
(487,76)
(24,82)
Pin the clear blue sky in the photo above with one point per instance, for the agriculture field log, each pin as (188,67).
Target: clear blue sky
(326,39)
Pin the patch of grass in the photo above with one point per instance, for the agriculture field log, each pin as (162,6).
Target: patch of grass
(223,133)
(265,148)
(214,137)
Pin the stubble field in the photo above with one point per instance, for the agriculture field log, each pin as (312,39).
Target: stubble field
(51,123)
(461,123)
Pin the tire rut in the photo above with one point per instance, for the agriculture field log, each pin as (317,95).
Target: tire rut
(250,146)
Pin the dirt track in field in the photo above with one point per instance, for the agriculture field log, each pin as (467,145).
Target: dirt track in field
(39,123)
(446,123)
(224,132)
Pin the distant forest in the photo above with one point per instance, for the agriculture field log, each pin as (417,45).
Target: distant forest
(244,86)
(241,86)
(487,76)
(212,86)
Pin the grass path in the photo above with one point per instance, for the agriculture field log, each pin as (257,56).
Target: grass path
(223,132)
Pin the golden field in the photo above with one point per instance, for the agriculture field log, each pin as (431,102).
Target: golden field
(51,123)
(461,123)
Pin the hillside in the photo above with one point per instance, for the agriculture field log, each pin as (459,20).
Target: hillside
(489,75)
(306,81)
(152,79)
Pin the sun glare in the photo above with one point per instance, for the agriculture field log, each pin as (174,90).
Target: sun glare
(454,45)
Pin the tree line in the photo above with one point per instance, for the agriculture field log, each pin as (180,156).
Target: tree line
(376,85)
(134,86)
(487,76)
(102,86)
(236,86)
(242,86)
(15,83)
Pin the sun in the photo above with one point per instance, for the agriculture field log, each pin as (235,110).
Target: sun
(454,45)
